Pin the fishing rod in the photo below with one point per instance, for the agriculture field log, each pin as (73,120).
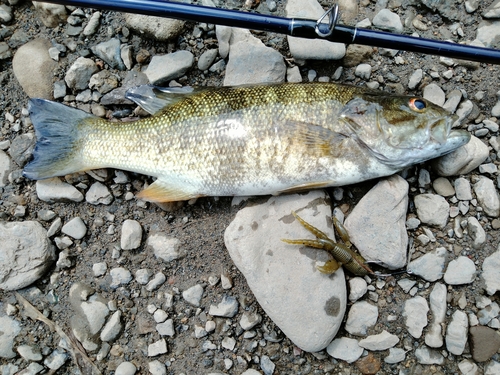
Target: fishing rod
(297,27)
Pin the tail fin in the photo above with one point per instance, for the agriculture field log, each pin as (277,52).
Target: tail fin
(57,130)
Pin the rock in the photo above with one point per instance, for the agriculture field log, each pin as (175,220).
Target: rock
(382,341)
(119,276)
(429,266)
(78,75)
(460,271)
(126,368)
(98,194)
(463,160)
(491,273)
(492,368)
(345,349)
(266,365)
(456,333)
(355,54)
(227,308)
(443,187)
(207,58)
(415,314)
(487,196)
(484,343)
(463,189)
(5,13)
(293,75)
(387,20)
(93,24)
(27,254)
(30,353)
(432,209)
(5,168)
(251,62)
(157,368)
(493,11)
(159,28)
(488,33)
(50,14)
(488,313)
(249,320)
(53,190)
(10,329)
(21,148)
(426,356)
(34,68)
(5,52)
(467,367)
(363,71)
(476,232)
(396,355)
(362,315)
(166,328)
(112,328)
(434,94)
(158,280)
(311,49)
(357,288)
(164,68)
(368,232)
(193,295)
(157,348)
(99,269)
(75,228)
(164,247)
(415,79)
(454,98)
(270,266)
(56,359)
(110,53)
(368,364)
(131,235)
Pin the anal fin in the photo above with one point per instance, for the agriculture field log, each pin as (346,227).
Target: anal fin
(307,186)
(162,191)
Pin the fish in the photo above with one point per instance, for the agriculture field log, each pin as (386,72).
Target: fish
(245,140)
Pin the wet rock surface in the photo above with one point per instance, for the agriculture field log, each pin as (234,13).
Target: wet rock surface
(166,297)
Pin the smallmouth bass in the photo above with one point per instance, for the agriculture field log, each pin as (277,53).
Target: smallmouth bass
(248,140)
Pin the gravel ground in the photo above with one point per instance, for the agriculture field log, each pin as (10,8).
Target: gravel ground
(199,225)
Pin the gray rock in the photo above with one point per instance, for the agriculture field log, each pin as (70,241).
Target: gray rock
(415,314)
(311,49)
(382,341)
(387,20)
(78,75)
(488,33)
(164,247)
(126,368)
(484,343)
(463,189)
(456,333)
(207,58)
(362,315)
(493,11)
(112,328)
(164,68)
(158,280)
(251,62)
(491,272)
(75,228)
(429,266)
(34,68)
(267,365)
(396,355)
(59,89)
(166,328)
(98,194)
(5,13)
(363,71)
(415,79)
(463,160)
(157,348)
(131,235)
(120,276)
(426,356)
(193,295)
(249,320)
(21,148)
(293,75)
(30,353)
(99,269)
(227,308)
(464,110)
(454,98)
(476,232)
(434,94)
(53,190)
(51,14)
(93,24)
(5,168)
(467,367)
(56,359)
(489,168)
(488,313)
(224,34)
(432,209)
(90,308)
(157,368)
(487,196)
(10,329)
(443,187)
(5,52)
(142,276)
(460,271)
(345,349)
(110,53)
(368,232)
(159,28)
(27,254)
(269,266)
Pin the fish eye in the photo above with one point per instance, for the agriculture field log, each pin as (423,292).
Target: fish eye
(417,105)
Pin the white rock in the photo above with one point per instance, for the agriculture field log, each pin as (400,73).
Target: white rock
(98,194)
(99,269)
(460,271)
(75,228)
(157,348)
(78,75)
(456,333)
(26,254)
(158,279)
(125,368)
(160,316)
(164,247)
(415,314)
(166,328)
(119,276)
(487,196)
(112,328)
(193,294)
(271,267)
(131,235)
(357,288)
(5,168)
(30,353)
(345,349)
(368,232)
(437,299)
(387,20)
(157,368)
(93,24)
(228,343)
(429,266)
(432,209)
(492,368)
(227,308)
(10,329)
(426,356)
(415,78)
(53,190)
(434,94)
(467,367)
(249,320)
(463,160)
(488,313)
(56,359)
(488,33)
(164,68)
(491,272)
(463,189)
(396,355)
(382,341)
(142,276)
(362,316)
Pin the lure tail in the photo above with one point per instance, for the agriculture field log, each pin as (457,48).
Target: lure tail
(57,150)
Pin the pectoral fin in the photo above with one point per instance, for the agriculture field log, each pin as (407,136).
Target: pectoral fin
(162,191)
(307,186)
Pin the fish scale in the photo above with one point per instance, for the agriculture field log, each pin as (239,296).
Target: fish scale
(247,140)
